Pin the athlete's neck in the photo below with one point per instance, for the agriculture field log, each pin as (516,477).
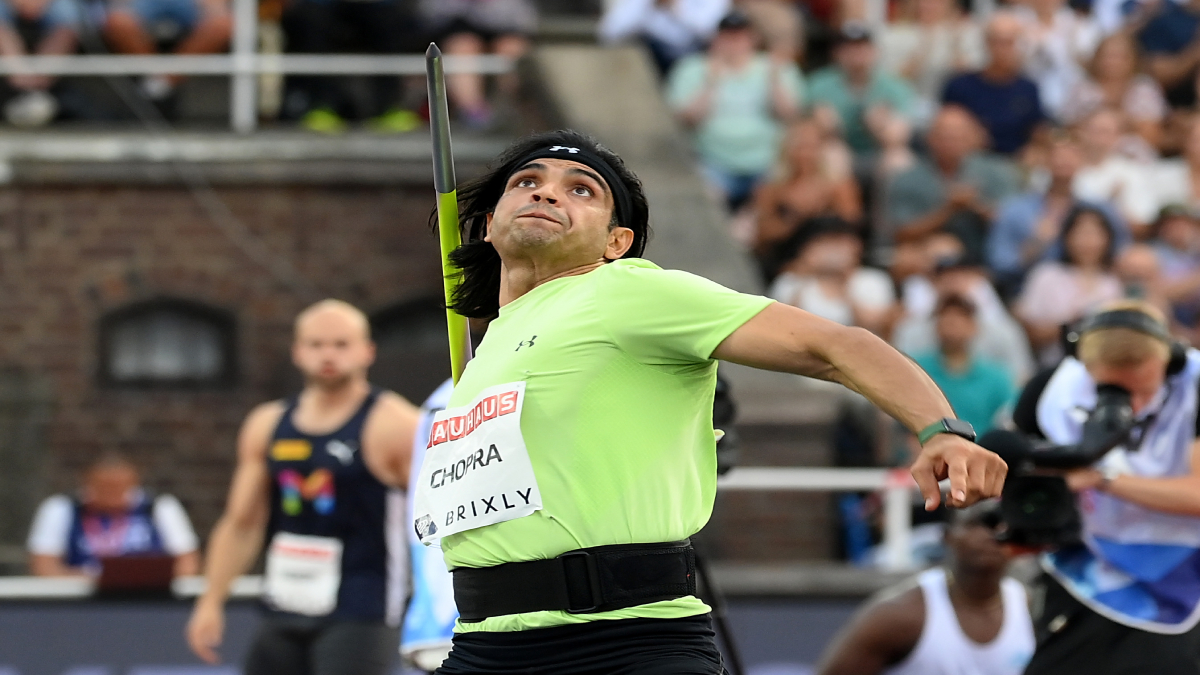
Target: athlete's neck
(323,397)
(521,276)
(975,589)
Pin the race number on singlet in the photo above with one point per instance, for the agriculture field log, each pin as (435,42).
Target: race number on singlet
(303,573)
(476,470)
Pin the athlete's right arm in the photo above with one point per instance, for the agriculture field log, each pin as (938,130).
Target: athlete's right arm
(882,635)
(237,538)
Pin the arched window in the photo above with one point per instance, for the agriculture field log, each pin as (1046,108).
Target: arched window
(413,355)
(167,342)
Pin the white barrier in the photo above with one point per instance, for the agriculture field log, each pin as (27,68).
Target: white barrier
(68,588)
(896,484)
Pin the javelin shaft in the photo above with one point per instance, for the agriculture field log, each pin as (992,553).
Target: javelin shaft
(447,206)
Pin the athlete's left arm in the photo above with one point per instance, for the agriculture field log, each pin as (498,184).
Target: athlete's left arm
(1177,494)
(790,340)
(388,438)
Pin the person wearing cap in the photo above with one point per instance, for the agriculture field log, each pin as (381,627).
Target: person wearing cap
(1005,101)
(577,453)
(979,389)
(736,100)
(857,89)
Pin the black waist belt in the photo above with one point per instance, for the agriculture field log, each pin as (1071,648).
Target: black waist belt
(598,579)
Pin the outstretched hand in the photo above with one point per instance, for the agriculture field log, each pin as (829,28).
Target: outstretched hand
(974,473)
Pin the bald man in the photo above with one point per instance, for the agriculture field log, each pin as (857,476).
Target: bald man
(316,483)
(955,189)
(1005,101)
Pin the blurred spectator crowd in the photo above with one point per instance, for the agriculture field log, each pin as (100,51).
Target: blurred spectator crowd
(320,103)
(961,177)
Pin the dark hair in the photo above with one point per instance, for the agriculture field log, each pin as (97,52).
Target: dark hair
(811,229)
(478,263)
(1074,217)
(957,302)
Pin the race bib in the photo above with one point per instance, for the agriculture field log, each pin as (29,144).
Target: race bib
(476,470)
(303,573)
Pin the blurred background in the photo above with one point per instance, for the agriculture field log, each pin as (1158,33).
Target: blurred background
(178,178)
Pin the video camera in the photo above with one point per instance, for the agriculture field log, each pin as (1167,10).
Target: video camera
(1037,509)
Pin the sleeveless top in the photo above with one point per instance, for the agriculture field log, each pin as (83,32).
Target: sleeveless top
(944,649)
(320,486)
(429,620)
(96,535)
(1137,566)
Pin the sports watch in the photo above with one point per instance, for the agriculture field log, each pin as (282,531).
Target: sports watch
(947,425)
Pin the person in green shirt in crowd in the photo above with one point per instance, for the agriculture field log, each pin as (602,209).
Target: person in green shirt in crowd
(577,453)
(859,91)
(978,389)
(736,100)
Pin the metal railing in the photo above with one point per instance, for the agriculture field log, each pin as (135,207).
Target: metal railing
(896,485)
(243,64)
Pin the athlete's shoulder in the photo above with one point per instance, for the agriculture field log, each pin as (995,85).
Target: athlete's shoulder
(258,428)
(392,408)
(898,610)
(269,412)
(646,275)
(882,633)
(390,400)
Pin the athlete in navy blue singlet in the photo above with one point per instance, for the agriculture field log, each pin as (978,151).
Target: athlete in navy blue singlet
(317,486)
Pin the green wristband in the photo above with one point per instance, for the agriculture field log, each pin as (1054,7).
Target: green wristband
(947,425)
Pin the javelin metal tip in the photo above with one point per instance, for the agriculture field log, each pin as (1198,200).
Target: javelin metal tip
(433,52)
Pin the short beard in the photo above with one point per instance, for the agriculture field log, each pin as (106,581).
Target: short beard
(333,383)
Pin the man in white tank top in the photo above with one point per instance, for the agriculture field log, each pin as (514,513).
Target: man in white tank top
(965,619)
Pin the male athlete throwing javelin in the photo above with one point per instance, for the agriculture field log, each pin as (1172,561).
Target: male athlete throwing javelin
(578,455)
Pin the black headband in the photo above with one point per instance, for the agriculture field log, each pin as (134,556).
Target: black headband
(622,202)
(1131,319)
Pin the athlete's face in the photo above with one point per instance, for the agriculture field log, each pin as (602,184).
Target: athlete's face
(107,489)
(332,347)
(559,212)
(974,548)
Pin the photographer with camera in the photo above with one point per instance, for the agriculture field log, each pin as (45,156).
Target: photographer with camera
(1121,596)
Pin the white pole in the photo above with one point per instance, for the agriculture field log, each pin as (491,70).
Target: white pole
(243,112)
(897,527)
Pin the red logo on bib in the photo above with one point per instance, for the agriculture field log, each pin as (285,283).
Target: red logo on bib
(454,428)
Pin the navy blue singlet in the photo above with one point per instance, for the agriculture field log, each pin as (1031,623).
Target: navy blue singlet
(320,486)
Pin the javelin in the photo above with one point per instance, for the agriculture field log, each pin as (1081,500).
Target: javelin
(447,206)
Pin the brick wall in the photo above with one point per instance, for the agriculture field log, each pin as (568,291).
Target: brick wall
(70,254)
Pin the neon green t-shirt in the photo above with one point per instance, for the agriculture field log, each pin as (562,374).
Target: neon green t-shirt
(617,418)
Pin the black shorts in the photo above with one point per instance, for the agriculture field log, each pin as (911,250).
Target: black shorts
(1086,642)
(287,645)
(621,647)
